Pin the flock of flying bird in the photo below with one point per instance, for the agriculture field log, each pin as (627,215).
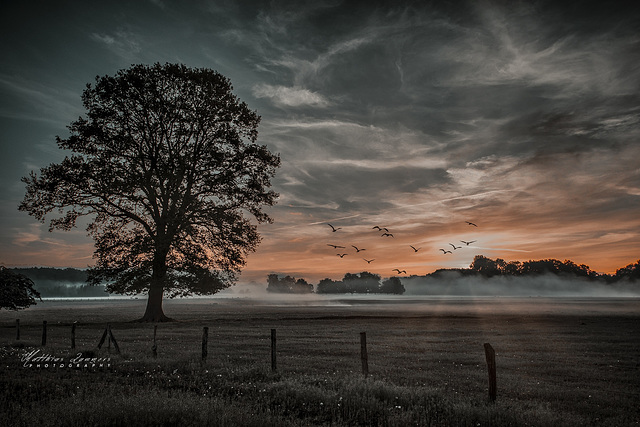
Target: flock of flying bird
(386,233)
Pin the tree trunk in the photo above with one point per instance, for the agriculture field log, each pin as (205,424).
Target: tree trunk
(154,312)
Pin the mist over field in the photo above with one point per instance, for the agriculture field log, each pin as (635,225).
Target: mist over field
(549,285)
(448,284)
(454,284)
(61,282)
(64,289)
(70,283)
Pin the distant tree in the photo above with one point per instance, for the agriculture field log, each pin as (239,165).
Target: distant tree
(571,268)
(362,283)
(328,286)
(393,285)
(273,283)
(554,266)
(303,287)
(166,164)
(512,268)
(485,266)
(16,290)
(538,267)
(324,286)
(631,272)
(287,285)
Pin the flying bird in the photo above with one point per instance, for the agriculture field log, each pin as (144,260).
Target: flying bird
(414,249)
(376,227)
(342,255)
(470,223)
(357,249)
(335,246)
(454,246)
(468,243)
(334,229)
(368,260)
(446,252)
(400,271)
(386,234)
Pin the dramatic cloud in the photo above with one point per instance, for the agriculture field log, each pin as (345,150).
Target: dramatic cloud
(520,116)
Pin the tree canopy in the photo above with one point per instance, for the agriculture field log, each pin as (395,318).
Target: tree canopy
(288,285)
(488,267)
(631,272)
(167,167)
(361,283)
(16,290)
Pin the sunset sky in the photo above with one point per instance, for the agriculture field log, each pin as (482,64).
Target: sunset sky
(523,118)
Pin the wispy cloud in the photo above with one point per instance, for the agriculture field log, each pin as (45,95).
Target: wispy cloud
(122,43)
(290,96)
(38,101)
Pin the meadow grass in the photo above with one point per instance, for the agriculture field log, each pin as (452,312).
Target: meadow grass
(425,369)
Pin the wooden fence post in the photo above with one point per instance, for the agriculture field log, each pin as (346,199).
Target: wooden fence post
(205,339)
(112,338)
(490,355)
(363,354)
(73,335)
(44,333)
(274,366)
(154,347)
(17,329)
(104,336)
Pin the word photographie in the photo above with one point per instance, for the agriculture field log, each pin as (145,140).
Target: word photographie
(37,359)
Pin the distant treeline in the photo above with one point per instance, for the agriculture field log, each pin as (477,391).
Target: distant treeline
(71,282)
(369,283)
(488,267)
(68,275)
(361,283)
(61,282)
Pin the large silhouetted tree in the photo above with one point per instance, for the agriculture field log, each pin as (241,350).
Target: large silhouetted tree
(166,165)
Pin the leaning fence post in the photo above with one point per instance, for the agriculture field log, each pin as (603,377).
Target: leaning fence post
(104,336)
(73,335)
(44,333)
(274,366)
(205,339)
(17,329)
(112,338)
(363,353)
(154,347)
(490,355)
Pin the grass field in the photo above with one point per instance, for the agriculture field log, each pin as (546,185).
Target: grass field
(559,362)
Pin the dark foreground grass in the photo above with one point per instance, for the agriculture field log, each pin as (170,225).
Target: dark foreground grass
(246,397)
(426,370)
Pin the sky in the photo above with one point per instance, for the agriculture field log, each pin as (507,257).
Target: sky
(520,117)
